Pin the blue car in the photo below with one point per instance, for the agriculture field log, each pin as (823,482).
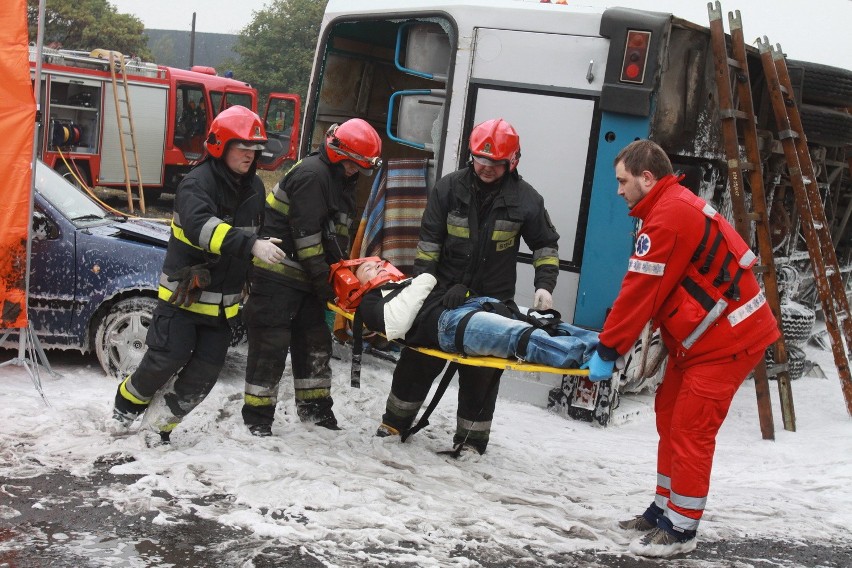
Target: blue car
(93,275)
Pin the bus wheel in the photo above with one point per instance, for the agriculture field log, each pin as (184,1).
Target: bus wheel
(823,84)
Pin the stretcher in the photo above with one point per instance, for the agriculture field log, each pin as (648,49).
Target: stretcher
(479,361)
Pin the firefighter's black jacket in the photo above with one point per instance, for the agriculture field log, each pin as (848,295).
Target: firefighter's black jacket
(458,247)
(311,211)
(216,217)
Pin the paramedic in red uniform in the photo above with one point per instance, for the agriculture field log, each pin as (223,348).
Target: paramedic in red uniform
(691,273)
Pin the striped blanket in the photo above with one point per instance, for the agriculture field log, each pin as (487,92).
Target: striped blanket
(390,225)
(393,212)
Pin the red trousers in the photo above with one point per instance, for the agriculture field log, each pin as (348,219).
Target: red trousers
(691,404)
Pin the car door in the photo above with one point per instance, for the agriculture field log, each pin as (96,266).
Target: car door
(53,276)
(282,129)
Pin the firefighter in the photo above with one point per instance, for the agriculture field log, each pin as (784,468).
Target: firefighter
(469,239)
(218,207)
(691,274)
(310,210)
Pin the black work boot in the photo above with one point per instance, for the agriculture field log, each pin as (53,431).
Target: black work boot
(261,430)
(319,412)
(124,411)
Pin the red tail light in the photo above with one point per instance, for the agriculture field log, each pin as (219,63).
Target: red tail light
(635,56)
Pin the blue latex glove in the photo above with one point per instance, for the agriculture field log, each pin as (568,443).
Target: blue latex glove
(598,368)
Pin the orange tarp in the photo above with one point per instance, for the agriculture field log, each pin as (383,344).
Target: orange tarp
(17,121)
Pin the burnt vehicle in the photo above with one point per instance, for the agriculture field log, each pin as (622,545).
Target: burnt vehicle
(93,274)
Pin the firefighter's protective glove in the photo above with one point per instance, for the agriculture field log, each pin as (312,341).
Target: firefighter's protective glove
(599,369)
(267,250)
(192,280)
(455,296)
(542,300)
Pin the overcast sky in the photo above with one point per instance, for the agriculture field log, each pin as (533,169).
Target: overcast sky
(815,31)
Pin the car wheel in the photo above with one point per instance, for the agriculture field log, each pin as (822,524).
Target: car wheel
(120,337)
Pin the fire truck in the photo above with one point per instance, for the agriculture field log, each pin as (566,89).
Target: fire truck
(171,109)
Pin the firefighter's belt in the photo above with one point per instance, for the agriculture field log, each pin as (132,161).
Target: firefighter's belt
(492,362)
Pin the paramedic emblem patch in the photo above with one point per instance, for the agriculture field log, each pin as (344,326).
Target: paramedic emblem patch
(643,245)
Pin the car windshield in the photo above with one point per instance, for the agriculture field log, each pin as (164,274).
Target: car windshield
(78,207)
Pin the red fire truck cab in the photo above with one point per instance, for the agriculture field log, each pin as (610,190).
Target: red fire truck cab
(170,110)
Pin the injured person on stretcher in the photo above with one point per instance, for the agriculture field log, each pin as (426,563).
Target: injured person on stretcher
(410,309)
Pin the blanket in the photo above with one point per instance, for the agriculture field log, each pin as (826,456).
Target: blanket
(393,212)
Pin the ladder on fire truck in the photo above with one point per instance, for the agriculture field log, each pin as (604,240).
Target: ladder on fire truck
(126,132)
(736,109)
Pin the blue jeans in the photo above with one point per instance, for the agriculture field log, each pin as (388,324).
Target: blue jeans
(490,334)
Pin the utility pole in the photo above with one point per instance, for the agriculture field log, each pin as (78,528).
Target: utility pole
(192,43)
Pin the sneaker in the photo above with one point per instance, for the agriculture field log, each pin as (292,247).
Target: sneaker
(386,431)
(261,430)
(637,523)
(664,541)
(645,522)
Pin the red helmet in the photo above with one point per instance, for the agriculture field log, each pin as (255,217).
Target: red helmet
(496,140)
(235,123)
(357,141)
(349,290)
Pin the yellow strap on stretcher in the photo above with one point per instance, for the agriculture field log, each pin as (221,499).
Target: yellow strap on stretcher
(493,362)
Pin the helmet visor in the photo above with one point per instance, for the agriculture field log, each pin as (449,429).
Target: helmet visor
(487,162)
(365,165)
(246,145)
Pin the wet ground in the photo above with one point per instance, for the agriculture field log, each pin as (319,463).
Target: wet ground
(59,521)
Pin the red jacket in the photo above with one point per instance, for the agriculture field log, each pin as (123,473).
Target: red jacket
(691,273)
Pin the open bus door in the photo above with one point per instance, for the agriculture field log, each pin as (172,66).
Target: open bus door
(282,128)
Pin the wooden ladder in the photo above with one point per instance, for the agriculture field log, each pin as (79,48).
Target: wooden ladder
(126,132)
(736,108)
(829,284)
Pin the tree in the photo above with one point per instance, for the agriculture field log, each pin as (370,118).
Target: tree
(277,48)
(89,24)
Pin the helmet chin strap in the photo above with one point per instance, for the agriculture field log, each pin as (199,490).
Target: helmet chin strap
(348,288)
